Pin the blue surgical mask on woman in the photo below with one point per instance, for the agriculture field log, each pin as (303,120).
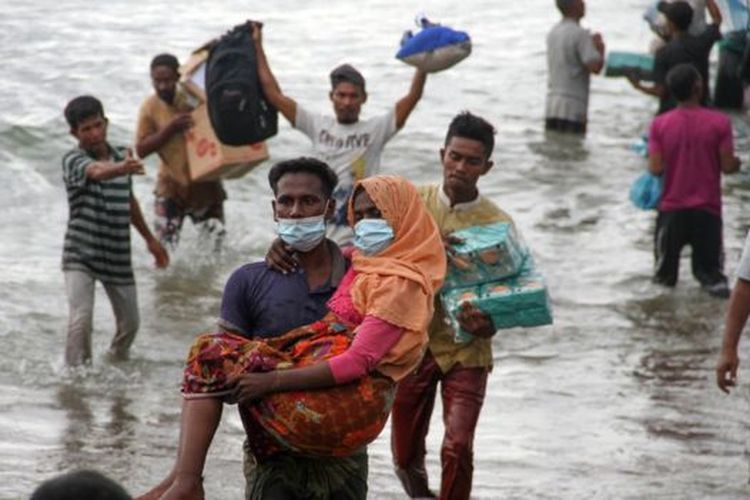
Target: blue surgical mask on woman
(372,236)
(302,234)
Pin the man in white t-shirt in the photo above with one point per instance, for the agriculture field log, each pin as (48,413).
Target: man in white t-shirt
(739,310)
(572,55)
(352,147)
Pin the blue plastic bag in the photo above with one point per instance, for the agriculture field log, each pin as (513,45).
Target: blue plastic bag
(645,193)
(434,48)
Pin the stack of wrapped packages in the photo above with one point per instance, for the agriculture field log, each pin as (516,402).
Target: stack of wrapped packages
(492,269)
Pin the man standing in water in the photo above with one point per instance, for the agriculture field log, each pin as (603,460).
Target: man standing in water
(162,121)
(690,147)
(572,55)
(352,147)
(461,369)
(262,302)
(97,240)
(682,47)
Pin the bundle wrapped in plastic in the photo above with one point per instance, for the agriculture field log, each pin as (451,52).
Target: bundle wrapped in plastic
(435,47)
(487,253)
(640,66)
(645,192)
(521,300)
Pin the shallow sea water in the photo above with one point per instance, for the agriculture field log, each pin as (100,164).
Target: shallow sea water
(615,400)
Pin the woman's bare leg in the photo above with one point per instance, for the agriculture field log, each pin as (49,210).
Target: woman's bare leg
(200,418)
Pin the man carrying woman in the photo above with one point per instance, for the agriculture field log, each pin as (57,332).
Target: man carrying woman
(373,334)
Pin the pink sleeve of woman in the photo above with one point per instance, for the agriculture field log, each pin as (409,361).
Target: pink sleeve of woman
(374,339)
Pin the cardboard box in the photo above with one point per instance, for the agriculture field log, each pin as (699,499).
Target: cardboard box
(522,300)
(193,74)
(488,253)
(209,159)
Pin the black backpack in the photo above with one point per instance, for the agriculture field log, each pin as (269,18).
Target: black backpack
(237,108)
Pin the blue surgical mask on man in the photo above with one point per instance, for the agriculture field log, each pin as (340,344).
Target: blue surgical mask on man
(372,236)
(302,234)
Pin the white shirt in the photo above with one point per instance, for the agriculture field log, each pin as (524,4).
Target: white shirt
(352,150)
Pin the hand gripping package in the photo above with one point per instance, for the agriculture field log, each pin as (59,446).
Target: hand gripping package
(487,253)
(514,296)
(640,66)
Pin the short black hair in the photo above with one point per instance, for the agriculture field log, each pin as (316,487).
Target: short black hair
(80,484)
(167,60)
(564,5)
(81,108)
(347,73)
(681,81)
(472,127)
(680,13)
(327,176)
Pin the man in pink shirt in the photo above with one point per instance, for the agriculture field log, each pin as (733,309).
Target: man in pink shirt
(690,147)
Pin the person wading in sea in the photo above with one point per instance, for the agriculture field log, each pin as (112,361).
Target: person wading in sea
(163,118)
(690,147)
(460,369)
(352,147)
(97,241)
(572,55)
(682,48)
(373,334)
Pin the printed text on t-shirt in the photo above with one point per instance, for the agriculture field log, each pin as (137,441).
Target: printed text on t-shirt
(350,141)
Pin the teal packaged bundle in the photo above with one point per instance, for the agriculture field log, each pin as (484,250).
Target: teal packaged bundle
(487,253)
(640,66)
(521,300)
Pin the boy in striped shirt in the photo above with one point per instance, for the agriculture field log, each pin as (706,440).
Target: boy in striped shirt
(97,240)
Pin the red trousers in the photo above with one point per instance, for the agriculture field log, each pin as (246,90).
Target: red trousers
(462,391)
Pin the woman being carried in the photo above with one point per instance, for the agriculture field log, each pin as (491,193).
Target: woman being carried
(374,334)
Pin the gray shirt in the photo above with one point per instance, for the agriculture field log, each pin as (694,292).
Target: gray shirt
(352,150)
(569,50)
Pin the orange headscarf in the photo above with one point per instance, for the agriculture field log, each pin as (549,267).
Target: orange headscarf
(398,285)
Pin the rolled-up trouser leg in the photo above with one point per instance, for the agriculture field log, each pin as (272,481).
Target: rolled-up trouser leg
(410,422)
(124,302)
(463,392)
(79,287)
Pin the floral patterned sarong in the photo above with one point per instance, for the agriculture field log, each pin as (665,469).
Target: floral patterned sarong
(336,421)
